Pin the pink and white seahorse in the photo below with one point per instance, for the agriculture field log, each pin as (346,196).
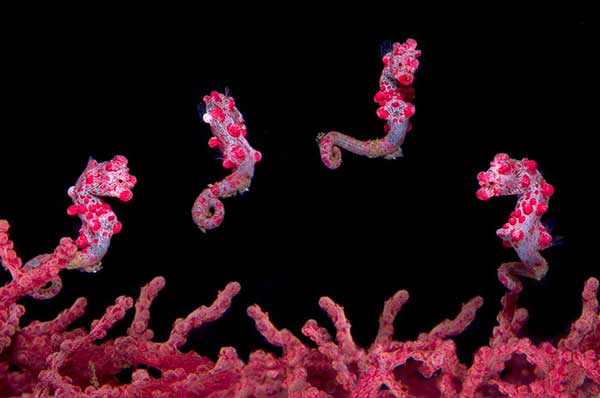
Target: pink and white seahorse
(229,135)
(99,222)
(524,230)
(394,96)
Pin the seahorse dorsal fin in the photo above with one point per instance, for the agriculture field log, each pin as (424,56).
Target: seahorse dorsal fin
(91,163)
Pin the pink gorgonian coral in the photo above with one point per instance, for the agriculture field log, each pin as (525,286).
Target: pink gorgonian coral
(229,136)
(49,360)
(394,96)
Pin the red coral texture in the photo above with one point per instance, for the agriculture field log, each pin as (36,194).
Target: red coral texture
(48,359)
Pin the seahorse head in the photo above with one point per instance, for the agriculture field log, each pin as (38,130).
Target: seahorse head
(402,61)
(504,177)
(110,178)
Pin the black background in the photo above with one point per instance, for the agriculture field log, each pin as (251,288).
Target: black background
(114,85)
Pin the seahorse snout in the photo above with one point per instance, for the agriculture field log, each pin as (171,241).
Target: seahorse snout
(126,196)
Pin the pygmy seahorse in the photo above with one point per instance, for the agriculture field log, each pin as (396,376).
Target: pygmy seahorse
(524,230)
(99,222)
(394,96)
(229,136)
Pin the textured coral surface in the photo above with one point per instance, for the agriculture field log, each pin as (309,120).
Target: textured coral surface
(49,359)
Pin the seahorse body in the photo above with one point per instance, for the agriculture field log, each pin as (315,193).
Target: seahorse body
(524,230)
(394,96)
(99,222)
(229,135)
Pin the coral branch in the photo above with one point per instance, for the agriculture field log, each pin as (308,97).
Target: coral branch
(343,335)
(510,319)
(453,327)
(386,320)
(229,135)
(394,96)
(182,327)
(8,257)
(60,323)
(587,328)
(139,325)
(280,338)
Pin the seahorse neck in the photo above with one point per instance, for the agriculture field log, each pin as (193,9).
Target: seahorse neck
(531,201)
(86,198)
(91,209)
(246,167)
(397,131)
(388,82)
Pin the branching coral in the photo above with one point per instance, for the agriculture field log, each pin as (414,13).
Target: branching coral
(47,359)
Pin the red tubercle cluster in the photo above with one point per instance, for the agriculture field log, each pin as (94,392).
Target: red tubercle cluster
(94,212)
(229,136)
(394,96)
(222,115)
(395,90)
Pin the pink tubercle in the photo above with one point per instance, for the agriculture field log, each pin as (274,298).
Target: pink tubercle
(126,196)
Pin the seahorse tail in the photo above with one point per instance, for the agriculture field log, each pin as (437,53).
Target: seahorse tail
(208,211)
(51,289)
(331,155)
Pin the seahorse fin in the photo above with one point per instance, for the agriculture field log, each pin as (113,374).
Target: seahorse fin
(91,163)
(385,47)
(201,109)
(556,241)
(397,154)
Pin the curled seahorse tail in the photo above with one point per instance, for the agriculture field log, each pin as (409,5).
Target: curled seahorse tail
(331,155)
(54,285)
(49,291)
(208,211)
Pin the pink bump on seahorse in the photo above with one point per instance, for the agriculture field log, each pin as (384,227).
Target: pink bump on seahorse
(394,96)
(524,230)
(229,135)
(99,222)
